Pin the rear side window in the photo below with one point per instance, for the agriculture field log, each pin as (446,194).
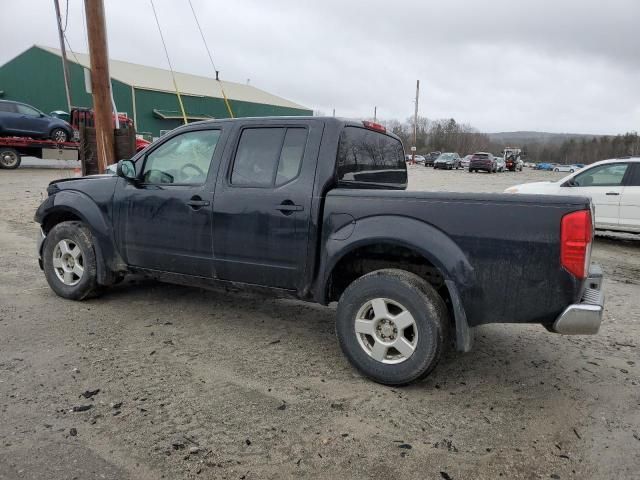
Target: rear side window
(370,158)
(634,179)
(7,107)
(268,157)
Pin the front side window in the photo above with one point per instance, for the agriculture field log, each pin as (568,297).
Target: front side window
(371,158)
(610,175)
(183,159)
(25,110)
(268,157)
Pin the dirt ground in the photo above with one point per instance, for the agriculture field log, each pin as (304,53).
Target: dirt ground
(200,384)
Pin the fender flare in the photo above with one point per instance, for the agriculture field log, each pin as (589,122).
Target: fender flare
(82,206)
(419,236)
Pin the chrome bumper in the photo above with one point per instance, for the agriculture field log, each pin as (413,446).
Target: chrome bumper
(584,318)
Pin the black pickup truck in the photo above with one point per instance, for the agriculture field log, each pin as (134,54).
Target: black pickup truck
(317,208)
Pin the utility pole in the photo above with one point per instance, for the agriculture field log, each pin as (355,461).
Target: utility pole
(100,82)
(375,114)
(65,65)
(415,125)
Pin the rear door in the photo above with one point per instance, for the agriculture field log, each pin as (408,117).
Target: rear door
(262,205)
(604,184)
(9,117)
(630,200)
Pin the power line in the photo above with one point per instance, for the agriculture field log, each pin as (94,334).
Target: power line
(166,52)
(215,70)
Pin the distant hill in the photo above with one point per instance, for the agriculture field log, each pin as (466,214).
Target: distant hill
(527,138)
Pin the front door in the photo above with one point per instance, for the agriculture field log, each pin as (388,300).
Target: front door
(604,185)
(262,204)
(30,121)
(164,219)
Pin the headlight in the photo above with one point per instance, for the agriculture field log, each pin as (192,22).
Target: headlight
(511,190)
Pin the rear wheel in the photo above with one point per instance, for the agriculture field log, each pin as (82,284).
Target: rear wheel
(69,261)
(9,158)
(392,326)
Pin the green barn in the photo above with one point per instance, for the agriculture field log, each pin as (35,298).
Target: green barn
(145,94)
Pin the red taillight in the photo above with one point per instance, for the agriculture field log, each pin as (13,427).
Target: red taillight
(374,126)
(576,234)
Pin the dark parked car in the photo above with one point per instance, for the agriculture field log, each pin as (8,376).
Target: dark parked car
(430,158)
(483,161)
(22,120)
(316,208)
(448,161)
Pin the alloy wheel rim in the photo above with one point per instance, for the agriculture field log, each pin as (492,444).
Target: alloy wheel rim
(68,262)
(386,331)
(59,136)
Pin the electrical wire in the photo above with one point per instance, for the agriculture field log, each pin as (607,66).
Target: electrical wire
(66,17)
(215,70)
(173,75)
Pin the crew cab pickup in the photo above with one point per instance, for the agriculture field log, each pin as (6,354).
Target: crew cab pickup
(317,209)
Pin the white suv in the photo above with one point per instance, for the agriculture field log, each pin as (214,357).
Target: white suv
(613,186)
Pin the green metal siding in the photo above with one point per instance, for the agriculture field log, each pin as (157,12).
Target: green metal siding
(35,77)
(148,100)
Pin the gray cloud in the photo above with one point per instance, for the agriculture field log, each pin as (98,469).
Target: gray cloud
(564,65)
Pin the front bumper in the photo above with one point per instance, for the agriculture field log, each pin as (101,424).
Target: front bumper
(584,318)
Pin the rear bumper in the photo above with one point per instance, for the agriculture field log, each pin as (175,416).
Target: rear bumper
(584,318)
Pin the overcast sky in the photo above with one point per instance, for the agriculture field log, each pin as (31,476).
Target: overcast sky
(500,65)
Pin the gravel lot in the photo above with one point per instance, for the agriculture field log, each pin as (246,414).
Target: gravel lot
(199,384)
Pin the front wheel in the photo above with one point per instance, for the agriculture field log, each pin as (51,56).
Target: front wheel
(392,326)
(59,135)
(69,261)
(9,158)
(556,169)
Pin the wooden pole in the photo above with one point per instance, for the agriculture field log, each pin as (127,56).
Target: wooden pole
(63,50)
(100,82)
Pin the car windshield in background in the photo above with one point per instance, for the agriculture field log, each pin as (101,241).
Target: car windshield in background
(370,158)
(481,155)
(446,156)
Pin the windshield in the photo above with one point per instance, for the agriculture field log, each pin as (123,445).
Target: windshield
(446,156)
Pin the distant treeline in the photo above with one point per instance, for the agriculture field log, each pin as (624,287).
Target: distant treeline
(447,135)
(585,150)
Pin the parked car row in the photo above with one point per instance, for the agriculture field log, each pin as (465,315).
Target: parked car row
(479,161)
(556,167)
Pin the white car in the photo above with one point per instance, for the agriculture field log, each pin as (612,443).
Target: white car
(501,165)
(566,168)
(613,186)
(418,158)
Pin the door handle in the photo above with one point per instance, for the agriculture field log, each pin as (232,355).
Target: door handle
(287,207)
(612,193)
(197,202)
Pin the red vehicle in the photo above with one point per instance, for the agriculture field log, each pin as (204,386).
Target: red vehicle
(84,116)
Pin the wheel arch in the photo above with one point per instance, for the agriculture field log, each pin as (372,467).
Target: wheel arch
(415,246)
(76,206)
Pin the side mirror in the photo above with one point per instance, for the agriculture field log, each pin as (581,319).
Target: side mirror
(126,169)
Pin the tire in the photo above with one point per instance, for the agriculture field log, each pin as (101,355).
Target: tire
(556,170)
(59,135)
(60,264)
(394,292)
(9,158)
